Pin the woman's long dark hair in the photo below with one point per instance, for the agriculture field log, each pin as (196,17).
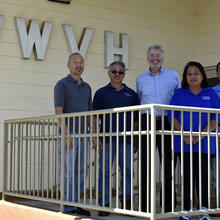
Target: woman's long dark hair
(204,83)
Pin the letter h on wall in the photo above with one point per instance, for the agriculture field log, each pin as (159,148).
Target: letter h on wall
(110,50)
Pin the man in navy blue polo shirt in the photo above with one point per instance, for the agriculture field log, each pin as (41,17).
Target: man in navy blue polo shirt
(72,94)
(115,94)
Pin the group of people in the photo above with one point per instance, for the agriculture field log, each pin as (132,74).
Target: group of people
(158,85)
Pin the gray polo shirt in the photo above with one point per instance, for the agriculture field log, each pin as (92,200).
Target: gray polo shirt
(73,97)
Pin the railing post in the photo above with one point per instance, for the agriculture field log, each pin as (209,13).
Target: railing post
(62,191)
(153,167)
(5,153)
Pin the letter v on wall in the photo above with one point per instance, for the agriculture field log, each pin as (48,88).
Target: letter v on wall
(71,39)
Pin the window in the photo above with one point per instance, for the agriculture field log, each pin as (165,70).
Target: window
(211,75)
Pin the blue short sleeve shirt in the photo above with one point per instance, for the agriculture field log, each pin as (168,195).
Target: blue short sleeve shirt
(217,89)
(108,97)
(206,98)
(73,97)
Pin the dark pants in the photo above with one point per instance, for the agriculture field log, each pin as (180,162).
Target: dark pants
(195,175)
(167,163)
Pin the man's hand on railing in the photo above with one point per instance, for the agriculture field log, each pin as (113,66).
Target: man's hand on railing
(94,144)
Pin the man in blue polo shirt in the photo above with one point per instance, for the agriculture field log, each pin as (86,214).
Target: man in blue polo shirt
(72,94)
(115,94)
(217,89)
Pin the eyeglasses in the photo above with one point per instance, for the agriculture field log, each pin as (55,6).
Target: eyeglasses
(157,56)
(115,72)
(76,63)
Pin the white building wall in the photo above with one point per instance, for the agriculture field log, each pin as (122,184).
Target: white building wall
(207,31)
(26,85)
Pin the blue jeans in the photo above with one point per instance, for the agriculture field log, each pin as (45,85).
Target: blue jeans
(76,174)
(107,174)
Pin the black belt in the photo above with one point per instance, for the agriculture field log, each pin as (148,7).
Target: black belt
(158,117)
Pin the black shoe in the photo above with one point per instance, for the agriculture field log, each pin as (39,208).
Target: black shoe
(215,215)
(184,218)
(102,213)
(80,211)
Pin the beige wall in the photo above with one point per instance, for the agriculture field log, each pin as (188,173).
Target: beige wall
(26,86)
(207,31)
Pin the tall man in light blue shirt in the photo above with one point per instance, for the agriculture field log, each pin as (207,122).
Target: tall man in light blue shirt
(156,86)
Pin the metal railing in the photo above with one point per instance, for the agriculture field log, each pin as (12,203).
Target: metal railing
(40,160)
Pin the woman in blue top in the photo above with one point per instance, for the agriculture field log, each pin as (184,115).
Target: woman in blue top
(196,93)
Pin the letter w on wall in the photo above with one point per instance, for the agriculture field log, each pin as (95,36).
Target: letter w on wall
(33,38)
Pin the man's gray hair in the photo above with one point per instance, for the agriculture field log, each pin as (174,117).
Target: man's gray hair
(117,62)
(155,47)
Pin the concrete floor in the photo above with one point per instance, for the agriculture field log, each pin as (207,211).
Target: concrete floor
(94,214)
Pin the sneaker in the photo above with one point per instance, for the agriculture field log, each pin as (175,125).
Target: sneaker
(184,218)
(80,211)
(204,217)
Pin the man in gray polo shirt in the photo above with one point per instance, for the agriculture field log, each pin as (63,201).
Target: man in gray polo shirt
(72,94)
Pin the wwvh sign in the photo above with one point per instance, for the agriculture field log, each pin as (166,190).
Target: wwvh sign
(36,38)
